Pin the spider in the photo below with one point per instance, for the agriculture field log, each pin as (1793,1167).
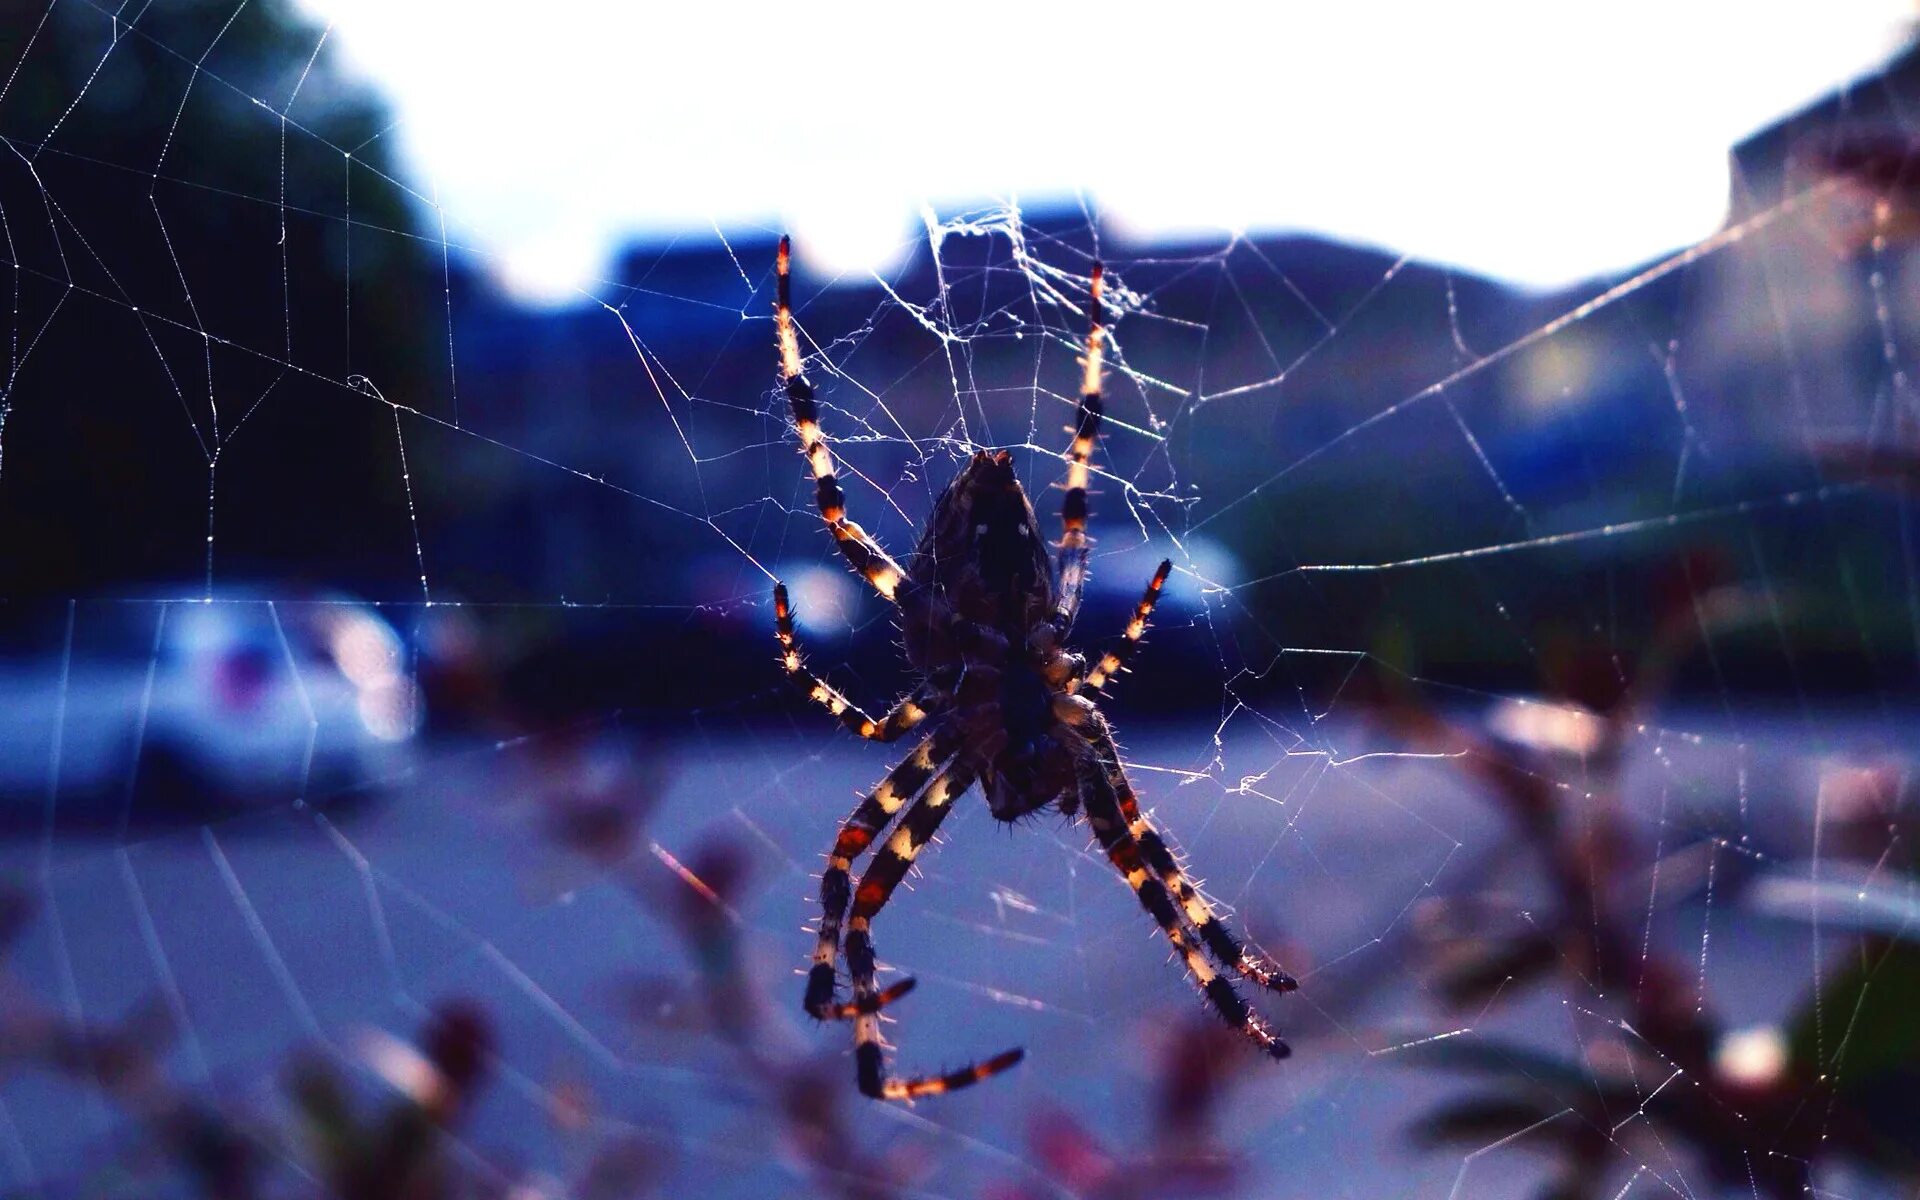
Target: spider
(985,619)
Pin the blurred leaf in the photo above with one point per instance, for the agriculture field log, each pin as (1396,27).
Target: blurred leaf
(458,1041)
(1479,1055)
(1894,466)
(328,1114)
(629,1167)
(1861,905)
(1472,979)
(1871,1045)
(1394,655)
(1569,1135)
(1479,1121)
(215,1152)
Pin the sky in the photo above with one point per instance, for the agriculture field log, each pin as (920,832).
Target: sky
(1536,143)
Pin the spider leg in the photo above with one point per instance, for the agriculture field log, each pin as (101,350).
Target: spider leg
(1110,827)
(902,717)
(889,867)
(1114,660)
(1070,567)
(836,884)
(1220,942)
(866,555)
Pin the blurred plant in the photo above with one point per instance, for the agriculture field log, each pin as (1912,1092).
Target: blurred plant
(1762,1110)
(1196,1065)
(401,1143)
(1876,175)
(595,799)
(806,1098)
(396,1153)
(1896,467)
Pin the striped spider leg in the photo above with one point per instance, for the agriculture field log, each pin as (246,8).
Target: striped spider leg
(1115,660)
(1214,934)
(1110,827)
(1070,567)
(861,550)
(1220,941)
(899,720)
(890,866)
(919,777)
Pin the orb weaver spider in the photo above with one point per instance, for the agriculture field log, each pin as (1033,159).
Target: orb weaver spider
(985,618)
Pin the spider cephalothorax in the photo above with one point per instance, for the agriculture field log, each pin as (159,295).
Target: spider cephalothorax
(985,617)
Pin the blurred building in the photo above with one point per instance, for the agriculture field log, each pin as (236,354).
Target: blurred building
(614,480)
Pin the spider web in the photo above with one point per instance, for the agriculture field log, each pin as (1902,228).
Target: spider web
(1535,680)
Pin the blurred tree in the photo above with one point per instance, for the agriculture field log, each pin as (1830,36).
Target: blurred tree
(204,241)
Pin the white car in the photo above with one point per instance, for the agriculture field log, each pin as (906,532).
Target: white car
(134,712)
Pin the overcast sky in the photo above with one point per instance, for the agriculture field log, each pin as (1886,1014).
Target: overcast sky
(1536,142)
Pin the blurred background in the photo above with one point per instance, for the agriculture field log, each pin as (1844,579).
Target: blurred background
(399,795)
